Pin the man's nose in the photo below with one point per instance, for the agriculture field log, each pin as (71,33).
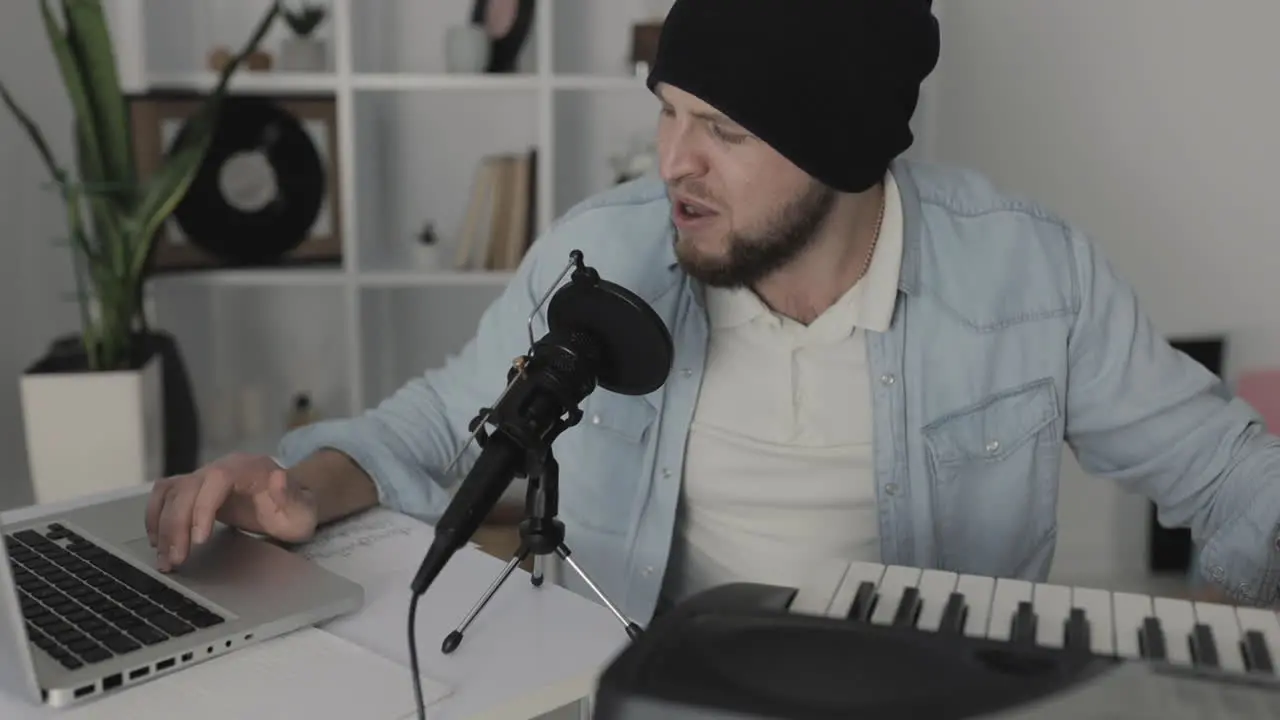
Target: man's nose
(679,157)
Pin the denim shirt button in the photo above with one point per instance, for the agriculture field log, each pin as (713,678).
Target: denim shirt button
(595,419)
(891,488)
(993,446)
(686,372)
(887,379)
(666,472)
(1218,573)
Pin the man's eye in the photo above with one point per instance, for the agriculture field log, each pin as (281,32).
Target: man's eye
(727,136)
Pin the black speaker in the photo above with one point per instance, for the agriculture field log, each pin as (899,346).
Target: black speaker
(1169,549)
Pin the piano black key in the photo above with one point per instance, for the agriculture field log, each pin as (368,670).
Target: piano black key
(863,602)
(1023,628)
(1204,651)
(1075,631)
(954,615)
(1257,658)
(908,608)
(1151,640)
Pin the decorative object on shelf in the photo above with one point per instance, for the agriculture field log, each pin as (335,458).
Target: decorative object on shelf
(304,52)
(257,61)
(644,46)
(426,249)
(640,158)
(93,411)
(267,192)
(501,219)
(466,49)
(507,24)
(301,412)
(644,37)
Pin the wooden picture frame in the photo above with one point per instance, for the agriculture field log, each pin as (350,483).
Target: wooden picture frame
(157,117)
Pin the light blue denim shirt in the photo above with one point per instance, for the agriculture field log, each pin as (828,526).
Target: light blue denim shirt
(1012,338)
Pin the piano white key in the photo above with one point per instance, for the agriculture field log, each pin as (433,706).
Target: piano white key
(935,589)
(1177,619)
(1221,619)
(1268,624)
(813,597)
(1052,605)
(858,573)
(1096,605)
(1004,604)
(977,591)
(896,579)
(1130,610)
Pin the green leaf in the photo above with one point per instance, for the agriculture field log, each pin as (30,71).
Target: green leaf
(73,80)
(89,38)
(37,137)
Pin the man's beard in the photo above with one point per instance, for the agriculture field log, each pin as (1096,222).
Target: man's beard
(753,257)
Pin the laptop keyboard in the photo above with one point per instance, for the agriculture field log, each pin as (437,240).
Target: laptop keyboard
(84,605)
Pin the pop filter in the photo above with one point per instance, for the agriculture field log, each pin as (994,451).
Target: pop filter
(636,348)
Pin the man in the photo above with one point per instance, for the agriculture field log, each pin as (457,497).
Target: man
(874,359)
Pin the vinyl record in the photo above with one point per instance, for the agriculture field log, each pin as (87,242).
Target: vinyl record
(260,189)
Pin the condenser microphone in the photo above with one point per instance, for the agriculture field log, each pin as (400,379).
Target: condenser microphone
(600,335)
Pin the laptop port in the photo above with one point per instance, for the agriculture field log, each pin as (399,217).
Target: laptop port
(86,690)
(165,664)
(140,672)
(186,657)
(112,682)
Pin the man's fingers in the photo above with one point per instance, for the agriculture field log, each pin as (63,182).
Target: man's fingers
(154,505)
(270,504)
(278,487)
(175,520)
(209,498)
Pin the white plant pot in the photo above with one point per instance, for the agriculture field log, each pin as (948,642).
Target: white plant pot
(304,55)
(91,432)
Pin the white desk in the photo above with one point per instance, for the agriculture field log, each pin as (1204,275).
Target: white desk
(530,651)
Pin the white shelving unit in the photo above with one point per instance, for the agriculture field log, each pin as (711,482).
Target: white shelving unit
(410,138)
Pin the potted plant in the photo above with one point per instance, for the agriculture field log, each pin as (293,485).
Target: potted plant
(303,52)
(92,407)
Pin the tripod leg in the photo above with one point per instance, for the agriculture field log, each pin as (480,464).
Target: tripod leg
(453,639)
(538,562)
(633,629)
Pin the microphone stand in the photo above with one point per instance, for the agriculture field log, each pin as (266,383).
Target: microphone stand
(541,534)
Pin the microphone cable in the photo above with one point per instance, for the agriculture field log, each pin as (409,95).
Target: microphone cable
(519,366)
(413,656)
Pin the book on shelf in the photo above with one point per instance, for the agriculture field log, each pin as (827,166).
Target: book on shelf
(501,217)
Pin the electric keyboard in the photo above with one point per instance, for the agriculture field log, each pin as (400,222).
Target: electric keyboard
(863,640)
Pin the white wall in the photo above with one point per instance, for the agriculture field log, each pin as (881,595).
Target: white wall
(1153,124)
(35,274)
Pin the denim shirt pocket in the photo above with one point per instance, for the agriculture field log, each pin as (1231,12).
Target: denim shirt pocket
(993,470)
(602,460)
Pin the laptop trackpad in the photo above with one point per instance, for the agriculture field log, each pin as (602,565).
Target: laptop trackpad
(233,569)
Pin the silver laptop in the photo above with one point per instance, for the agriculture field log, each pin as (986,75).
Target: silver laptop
(83,612)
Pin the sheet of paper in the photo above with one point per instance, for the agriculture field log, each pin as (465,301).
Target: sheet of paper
(308,674)
(370,546)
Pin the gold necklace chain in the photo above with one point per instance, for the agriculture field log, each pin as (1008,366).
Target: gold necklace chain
(875,239)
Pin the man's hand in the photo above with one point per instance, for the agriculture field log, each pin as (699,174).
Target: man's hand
(250,492)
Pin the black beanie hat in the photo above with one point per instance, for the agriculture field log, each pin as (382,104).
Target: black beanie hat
(829,84)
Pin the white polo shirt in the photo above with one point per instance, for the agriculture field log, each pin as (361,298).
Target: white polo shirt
(778,467)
